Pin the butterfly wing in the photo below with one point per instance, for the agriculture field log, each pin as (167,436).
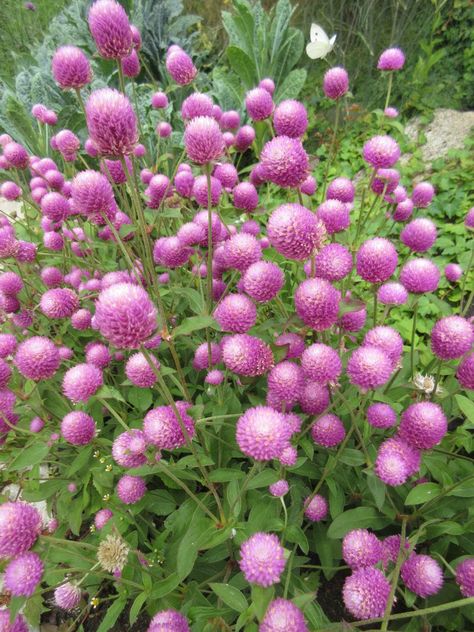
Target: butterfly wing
(317,50)
(317,34)
(332,41)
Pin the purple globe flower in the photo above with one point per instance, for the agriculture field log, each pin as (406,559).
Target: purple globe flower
(321,363)
(71,68)
(81,382)
(7,345)
(290,119)
(236,313)
(294,231)
(98,355)
(159,100)
(267,84)
(59,303)
(169,621)
(365,593)
(170,252)
(128,449)
(391,549)
(180,66)
(328,431)
(452,337)
(465,577)
(78,428)
(381,152)
(385,181)
(111,121)
(23,574)
(201,360)
(422,195)
(316,509)
(396,461)
(262,433)
(163,429)
(110,29)
(361,548)
(381,415)
(369,367)
(279,489)
(10,190)
(376,260)
(423,425)
(203,140)
(262,281)
(246,355)
(387,339)
(11,283)
(391,59)
(241,251)
(102,517)
(67,596)
(465,372)
(139,371)
(403,210)
(197,104)
(200,191)
(244,138)
(230,120)
(285,384)
(214,377)
(293,342)
(55,206)
(309,186)
(284,161)
(419,235)
(392,293)
(130,489)
(335,215)
(227,174)
(419,276)
(469,219)
(37,358)
(341,189)
(259,104)
(333,262)
(92,194)
(336,83)
(262,559)
(283,616)
(15,155)
(245,196)
(453,272)
(317,303)
(20,525)
(422,575)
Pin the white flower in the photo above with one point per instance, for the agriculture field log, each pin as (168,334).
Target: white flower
(426,383)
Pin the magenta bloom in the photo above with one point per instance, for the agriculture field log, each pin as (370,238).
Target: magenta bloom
(37,358)
(285,384)
(201,360)
(244,138)
(391,549)
(366,593)
(392,293)
(376,260)
(333,262)
(396,461)
(102,517)
(317,303)
(71,68)
(16,155)
(203,140)
(163,429)
(125,315)
(419,235)
(159,100)
(403,210)
(227,174)
(180,66)
(391,59)
(341,189)
(309,186)
(361,548)
(98,355)
(19,624)
(78,428)
(92,195)
(453,272)
(293,342)
(316,509)
(67,596)
(284,161)
(369,367)
(321,363)
(387,339)
(336,82)
(230,120)
(245,196)
(420,276)
(11,283)
(241,251)
(130,489)
(81,382)
(335,215)
(7,345)
(290,119)
(259,104)
(267,84)
(381,152)
(200,190)
(55,206)
(246,355)
(197,104)
(236,313)
(422,575)
(10,190)
(23,574)
(110,29)
(283,616)
(169,621)
(469,219)
(465,577)
(131,64)
(128,449)
(381,415)
(328,431)
(263,280)
(111,122)
(262,559)
(465,372)
(279,489)
(139,372)
(452,337)
(294,231)
(59,303)
(262,433)
(423,425)
(20,525)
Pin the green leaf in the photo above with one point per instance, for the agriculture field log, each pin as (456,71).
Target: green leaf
(359,518)
(165,586)
(292,84)
(242,65)
(377,489)
(231,596)
(261,597)
(140,398)
(466,405)
(109,392)
(263,479)
(422,493)
(112,614)
(137,606)
(224,475)
(30,455)
(297,535)
(194,324)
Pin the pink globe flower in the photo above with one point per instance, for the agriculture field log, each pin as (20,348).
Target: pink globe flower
(197,104)
(5,373)
(159,100)
(11,283)
(180,66)
(335,216)
(55,206)
(294,343)
(267,84)
(316,509)
(8,344)
(227,174)
(381,152)
(285,384)
(245,197)
(131,64)
(23,574)
(81,382)
(376,260)
(341,189)
(353,320)
(37,358)
(290,119)
(263,280)
(385,181)
(81,319)
(98,355)
(391,549)
(391,59)
(130,489)
(387,339)
(102,517)
(279,489)
(139,371)
(67,596)
(423,425)
(19,624)
(465,577)
(403,210)
(15,155)
(20,525)
(262,559)
(309,186)
(128,449)
(369,367)
(396,461)
(391,112)
(214,377)
(469,219)
(259,104)
(419,235)
(241,251)
(164,429)
(10,190)
(465,372)
(200,191)
(59,303)
(294,231)
(452,337)
(361,548)
(317,303)
(381,415)
(283,616)
(321,363)
(453,272)
(336,83)
(78,428)
(92,195)
(230,120)
(111,122)
(420,276)
(328,431)
(262,433)
(201,360)
(422,575)
(244,138)
(392,293)
(333,262)
(71,68)
(246,355)
(169,621)
(236,313)
(422,195)
(284,161)
(203,140)
(365,593)
(110,29)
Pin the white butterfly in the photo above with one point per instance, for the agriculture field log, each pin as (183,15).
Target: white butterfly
(320,44)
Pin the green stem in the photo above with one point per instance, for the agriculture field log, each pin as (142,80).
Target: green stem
(396,573)
(375,304)
(332,147)
(389,89)
(412,345)
(120,75)
(464,283)
(250,474)
(113,412)
(81,101)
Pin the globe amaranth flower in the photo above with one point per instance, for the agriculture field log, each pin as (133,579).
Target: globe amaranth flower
(125,315)
(423,425)
(309,186)
(420,276)
(335,216)
(387,339)
(10,190)
(263,280)
(381,152)
(279,489)
(422,194)
(111,122)
(11,283)
(262,559)
(81,382)
(129,447)
(180,66)
(315,398)
(283,616)
(376,260)
(23,574)
(335,82)
(203,140)
(422,575)
(284,161)
(396,461)
(92,195)
(244,139)
(163,428)
(102,517)
(361,548)
(290,118)
(391,59)
(328,431)
(369,367)
(246,355)
(381,415)
(71,68)
(131,64)
(453,272)
(341,189)
(241,251)
(78,428)
(316,508)
(20,525)
(294,231)
(469,219)
(391,549)
(169,621)
(130,489)
(139,371)
(245,196)
(200,191)
(452,337)
(230,120)
(201,356)
(59,303)
(236,313)
(227,174)
(67,596)
(403,210)
(317,303)
(295,344)
(259,104)
(98,355)
(465,372)
(196,104)
(285,385)
(262,433)
(321,363)
(16,155)
(110,28)
(333,262)
(37,358)
(365,593)
(170,252)
(465,577)
(112,553)
(419,235)
(392,293)
(7,242)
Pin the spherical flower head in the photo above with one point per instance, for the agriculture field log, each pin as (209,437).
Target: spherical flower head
(328,431)
(453,272)
(387,339)
(5,373)
(163,429)
(262,433)
(465,372)
(98,355)
(309,186)
(203,140)
(336,83)
(131,64)
(20,525)
(341,189)
(246,355)
(288,456)
(285,385)
(197,104)
(423,425)
(36,424)
(201,360)
(283,616)
(227,174)
(369,367)
(317,303)
(139,371)
(170,252)
(452,337)
(16,155)
(279,489)
(200,190)
(169,621)
(396,461)
(381,415)
(81,319)
(92,194)
(263,280)
(392,293)
(81,382)
(465,577)
(67,596)
(7,242)
(23,574)
(7,345)
(112,553)
(422,575)
(241,251)
(316,509)
(236,313)
(245,196)
(385,181)
(333,262)
(262,559)
(230,120)
(159,100)
(361,548)
(158,188)
(59,303)
(10,190)
(128,449)
(365,593)
(381,152)
(469,219)
(259,104)
(102,517)
(403,210)
(419,235)
(214,377)
(335,216)
(353,320)
(111,122)
(19,624)
(110,28)
(125,315)
(183,183)
(420,276)
(71,68)
(11,283)
(321,363)
(130,489)
(257,175)
(55,206)
(164,129)
(376,260)
(391,59)
(294,343)
(290,119)
(180,67)
(37,358)
(390,112)
(391,549)
(114,170)
(78,428)
(294,231)
(284,161)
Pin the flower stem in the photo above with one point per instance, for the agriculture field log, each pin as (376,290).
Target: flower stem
(120,75)
(396,573)
(412,344)
(389,89)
